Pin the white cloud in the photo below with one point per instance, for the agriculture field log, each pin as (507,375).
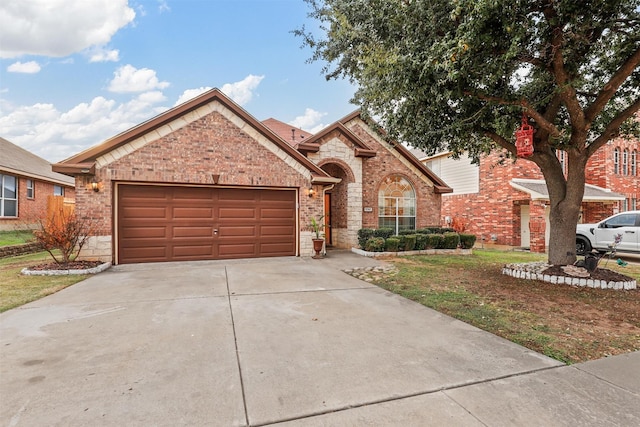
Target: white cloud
(129,79)
(242,91)
(30,67)
(310,121)
(55,135)
(191,93)
(163,6)
(100,54)
(59,27)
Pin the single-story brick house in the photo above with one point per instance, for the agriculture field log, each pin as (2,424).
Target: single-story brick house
(206,180)
(26,182)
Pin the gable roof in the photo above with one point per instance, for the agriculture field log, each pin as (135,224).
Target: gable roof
(18,161)
(84,162)
(361,149)
(439,185)
(291,134)
(537,189)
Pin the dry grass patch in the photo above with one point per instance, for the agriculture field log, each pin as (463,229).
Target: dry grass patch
(567,323)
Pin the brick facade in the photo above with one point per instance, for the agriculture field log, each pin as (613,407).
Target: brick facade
(208,141)
(494,213)
(31,209)
(626,179)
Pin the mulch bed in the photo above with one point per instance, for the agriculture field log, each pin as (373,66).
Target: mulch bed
(73,265)
(597,274)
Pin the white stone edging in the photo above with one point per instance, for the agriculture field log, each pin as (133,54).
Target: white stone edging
(572,281)
(407,253)
(94,270)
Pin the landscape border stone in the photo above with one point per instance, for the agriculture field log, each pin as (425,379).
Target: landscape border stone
(94,270)
(522,273)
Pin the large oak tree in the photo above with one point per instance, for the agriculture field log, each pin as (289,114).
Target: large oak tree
(457,75)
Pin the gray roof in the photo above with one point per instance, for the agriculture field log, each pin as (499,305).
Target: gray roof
(537,189)
(18,161)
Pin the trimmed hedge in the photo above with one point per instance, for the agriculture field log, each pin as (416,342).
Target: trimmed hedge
(382,239)
(364,234)
(375,244)
(467,241)
(391,244)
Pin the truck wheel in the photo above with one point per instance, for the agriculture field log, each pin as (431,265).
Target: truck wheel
(582,246)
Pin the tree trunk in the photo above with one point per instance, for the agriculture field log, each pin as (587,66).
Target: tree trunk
(565,199)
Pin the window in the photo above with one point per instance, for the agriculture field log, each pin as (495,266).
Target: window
(58,190)
(616,160)
(634,163)
(625,162)
(30,189)
(8,196)
(396,204)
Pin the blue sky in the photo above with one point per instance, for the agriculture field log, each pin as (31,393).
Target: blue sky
(76,72)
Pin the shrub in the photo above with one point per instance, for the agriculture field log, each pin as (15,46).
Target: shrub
(375,244)
(410,242)
(364,234)
(64,231)
(450,241)
(402,241)
(421,241)
(385,233)
(391,244)
(434,241)
(467,241)
(406,232)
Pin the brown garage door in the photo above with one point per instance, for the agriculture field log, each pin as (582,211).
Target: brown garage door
(158,223)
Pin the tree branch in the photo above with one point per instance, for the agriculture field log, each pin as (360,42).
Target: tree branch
(611,87)
(613,128)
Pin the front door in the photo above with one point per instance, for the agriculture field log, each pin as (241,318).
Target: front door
(327,218)
(525,236)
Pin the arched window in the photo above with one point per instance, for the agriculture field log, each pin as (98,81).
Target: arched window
(616,160)
(634,163)
(625,162)
(396,204)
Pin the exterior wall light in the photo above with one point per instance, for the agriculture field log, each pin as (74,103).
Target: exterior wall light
(95,185)
(312,192)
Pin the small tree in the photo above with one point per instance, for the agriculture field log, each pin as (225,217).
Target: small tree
(63,230)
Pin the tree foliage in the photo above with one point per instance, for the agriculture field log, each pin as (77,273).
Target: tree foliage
(457,75)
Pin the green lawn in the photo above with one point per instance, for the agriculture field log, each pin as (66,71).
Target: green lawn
(17,237)
(17,289)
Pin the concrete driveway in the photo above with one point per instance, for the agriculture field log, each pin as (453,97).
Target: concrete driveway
(284,341)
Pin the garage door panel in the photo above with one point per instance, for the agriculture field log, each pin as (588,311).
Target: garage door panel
(158,253)
(277,213)
(188,251)
(192,212)
(145,232)
(237,231)
(170,223)
(236,250)
(193,231)
(276,249)
(277,230)
(144,212)
(237,213)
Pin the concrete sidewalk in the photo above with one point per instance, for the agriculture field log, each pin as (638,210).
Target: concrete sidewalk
(285,341)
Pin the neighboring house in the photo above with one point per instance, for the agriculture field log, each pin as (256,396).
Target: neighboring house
(26,181)
(506,202)
(206,180)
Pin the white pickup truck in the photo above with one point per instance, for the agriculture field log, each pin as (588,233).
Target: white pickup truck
(600,236)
